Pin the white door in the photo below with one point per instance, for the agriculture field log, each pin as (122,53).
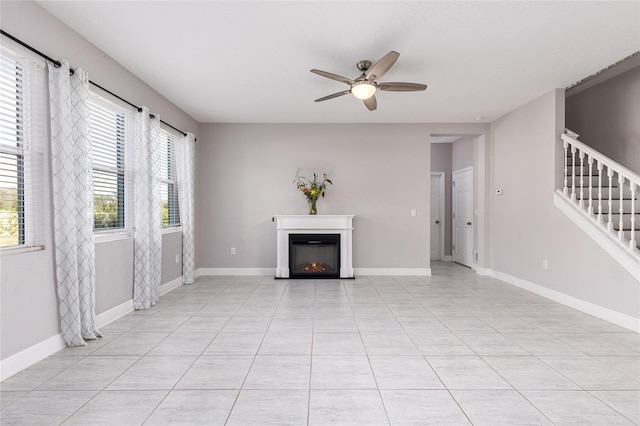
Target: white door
(437,208)
(463,216)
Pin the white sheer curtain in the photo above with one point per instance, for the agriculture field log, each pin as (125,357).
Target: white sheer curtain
(147,217)
(73,203)
(185,165)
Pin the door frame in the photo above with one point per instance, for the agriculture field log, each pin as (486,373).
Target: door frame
(472,264)
(443,219)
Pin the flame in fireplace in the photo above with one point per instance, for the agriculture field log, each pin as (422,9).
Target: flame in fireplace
(316,267)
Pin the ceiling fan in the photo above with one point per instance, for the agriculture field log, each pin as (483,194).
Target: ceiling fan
(365,86)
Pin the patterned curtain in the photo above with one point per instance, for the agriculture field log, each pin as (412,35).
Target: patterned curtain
(147,217)
(73,203)
(185,165)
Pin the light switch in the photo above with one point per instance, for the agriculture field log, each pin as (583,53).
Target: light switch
(413,212)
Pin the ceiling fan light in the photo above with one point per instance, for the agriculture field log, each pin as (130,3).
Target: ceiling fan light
(363,90)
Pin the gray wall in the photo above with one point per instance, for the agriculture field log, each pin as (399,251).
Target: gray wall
(244,176)
(441,162)
(463,153)
(27,284)
(525,225)
(607,117)
(171,247)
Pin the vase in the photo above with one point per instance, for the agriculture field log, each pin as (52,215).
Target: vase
(312,206)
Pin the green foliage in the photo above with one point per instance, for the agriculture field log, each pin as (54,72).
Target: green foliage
(164,209)
(105,212)
(9,223)
(312,188)
(9,199)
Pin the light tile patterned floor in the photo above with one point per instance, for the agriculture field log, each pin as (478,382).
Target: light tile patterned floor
(451,349)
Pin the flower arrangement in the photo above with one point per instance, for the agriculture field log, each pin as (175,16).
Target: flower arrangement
(312,188)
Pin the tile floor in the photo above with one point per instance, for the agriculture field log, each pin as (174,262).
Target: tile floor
(455,348)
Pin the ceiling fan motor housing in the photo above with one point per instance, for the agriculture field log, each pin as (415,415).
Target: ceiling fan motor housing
(363,65)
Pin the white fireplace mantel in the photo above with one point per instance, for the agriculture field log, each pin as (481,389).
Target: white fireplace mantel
(314,224)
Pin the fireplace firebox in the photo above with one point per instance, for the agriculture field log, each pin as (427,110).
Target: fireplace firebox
(314,255)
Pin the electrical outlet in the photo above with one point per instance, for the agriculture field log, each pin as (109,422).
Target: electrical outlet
(233,250)
(545,264)
(413,213)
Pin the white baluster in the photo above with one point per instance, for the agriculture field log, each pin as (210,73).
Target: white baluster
(565,189)
(632,241)
(599,192)
(621,211)
(610,218)
(573,173)
(581,179)
(590,208)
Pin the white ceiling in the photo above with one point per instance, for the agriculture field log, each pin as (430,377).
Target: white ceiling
(250,61)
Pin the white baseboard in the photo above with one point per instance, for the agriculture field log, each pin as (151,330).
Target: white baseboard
(171,285)
(26,358)
(199,272)
(36,353)
(421,272)
(485,272)
(113,314)
(617,318)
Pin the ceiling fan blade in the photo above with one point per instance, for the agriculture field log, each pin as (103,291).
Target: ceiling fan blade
(371,103)
(335,95)
(382,66)
(402,87)
(333,76)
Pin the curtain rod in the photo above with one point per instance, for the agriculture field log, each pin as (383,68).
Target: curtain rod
(58,64)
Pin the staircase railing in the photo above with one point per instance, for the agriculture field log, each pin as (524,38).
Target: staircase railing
(587,171)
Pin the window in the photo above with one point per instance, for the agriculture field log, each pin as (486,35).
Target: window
(108,135)
(22,108)
(168,184)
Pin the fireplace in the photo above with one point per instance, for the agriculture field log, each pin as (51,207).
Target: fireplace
(314,255)
(319,225)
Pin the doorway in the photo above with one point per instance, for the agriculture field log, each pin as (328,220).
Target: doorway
(462,195)
(437,220)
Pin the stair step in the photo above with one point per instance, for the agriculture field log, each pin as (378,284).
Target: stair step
(626,228)
(626,220)
(615,192)
(627,237)
(592,180)
(585,166)
(615,207)
(585,169)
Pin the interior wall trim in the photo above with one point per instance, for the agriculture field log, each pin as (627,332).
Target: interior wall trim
(606,314)
(36,353)
(107,317)
(419,272)
(26,358)
(422,272)
(203,272)
(171,285)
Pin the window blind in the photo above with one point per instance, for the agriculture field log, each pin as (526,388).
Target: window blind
(22,124)
(108,135)
(168,183)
